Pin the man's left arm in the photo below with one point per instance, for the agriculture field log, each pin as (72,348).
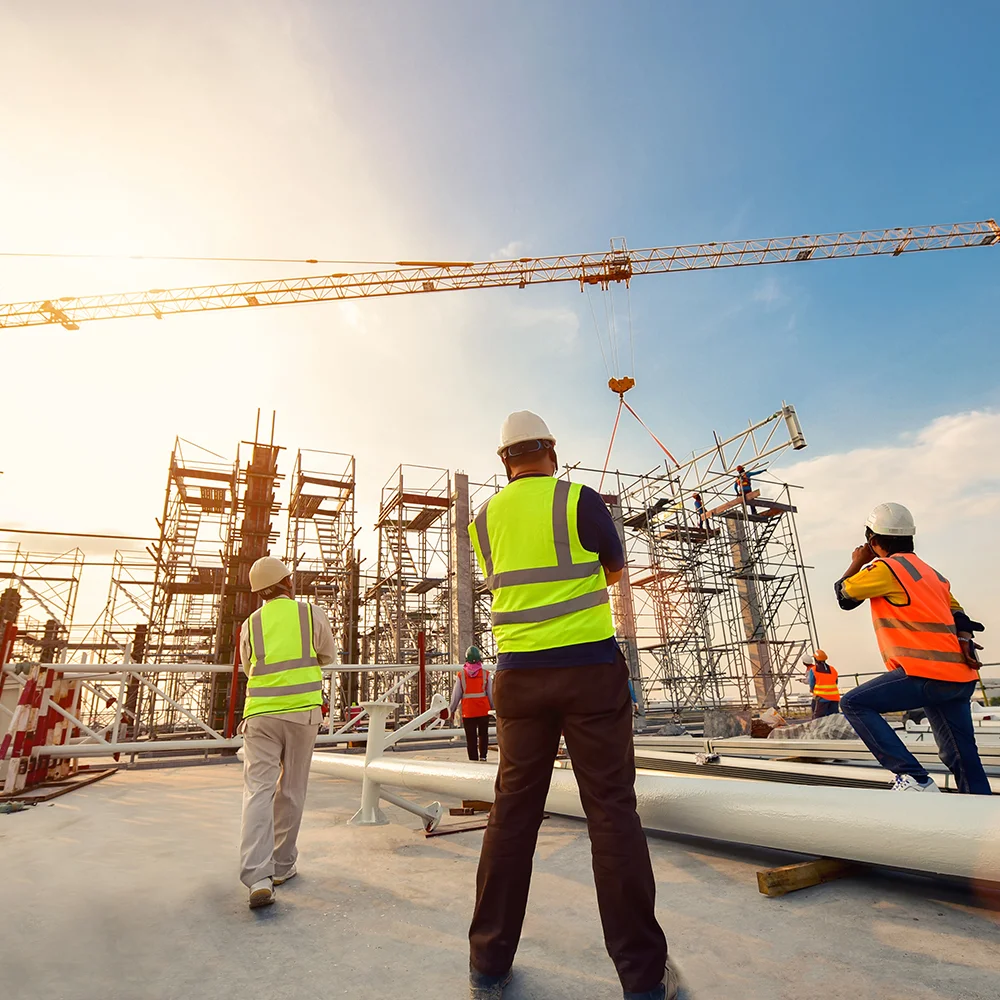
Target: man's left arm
(598,534)
(323,643)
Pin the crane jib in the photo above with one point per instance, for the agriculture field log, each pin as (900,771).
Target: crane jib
(617,266)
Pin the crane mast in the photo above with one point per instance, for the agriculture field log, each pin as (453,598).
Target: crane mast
(619,264)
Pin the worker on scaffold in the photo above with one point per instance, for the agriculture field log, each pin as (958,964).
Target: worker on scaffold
(744,487)
(699,511)
(548,550)
(282,646)
(473,691)
(822,679)
(926,641)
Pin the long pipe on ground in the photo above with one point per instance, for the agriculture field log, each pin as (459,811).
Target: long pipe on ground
(91,749)
(945,835)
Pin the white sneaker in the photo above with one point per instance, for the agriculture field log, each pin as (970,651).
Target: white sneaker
(261,893)
(291,873)
(907,783)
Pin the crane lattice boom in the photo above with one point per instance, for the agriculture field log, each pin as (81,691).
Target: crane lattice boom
(618,265)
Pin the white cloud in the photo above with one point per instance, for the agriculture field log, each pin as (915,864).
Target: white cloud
(511,251)
(769,292)
(947,474)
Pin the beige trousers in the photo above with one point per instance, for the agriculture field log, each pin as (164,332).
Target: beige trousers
(276,756)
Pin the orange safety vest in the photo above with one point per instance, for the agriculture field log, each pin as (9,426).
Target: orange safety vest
(475,701)
(920,636)
(825,684)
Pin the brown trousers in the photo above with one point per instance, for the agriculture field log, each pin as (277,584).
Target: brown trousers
(592,708)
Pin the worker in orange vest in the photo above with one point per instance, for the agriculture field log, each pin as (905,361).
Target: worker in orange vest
(926,641)
(473,690)
(744,487)
(822,679)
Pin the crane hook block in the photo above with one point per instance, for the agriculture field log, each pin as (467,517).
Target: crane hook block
(621,385)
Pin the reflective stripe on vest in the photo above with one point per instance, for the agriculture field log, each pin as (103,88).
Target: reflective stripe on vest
(548,590)
(284,673)
(825,684)
(475,700)
(919,636)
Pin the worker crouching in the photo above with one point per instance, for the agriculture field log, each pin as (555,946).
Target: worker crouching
(473,692)
(548,550)
(926,642)
(282,645)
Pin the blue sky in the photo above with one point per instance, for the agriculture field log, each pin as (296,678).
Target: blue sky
(462,131)
(559,125)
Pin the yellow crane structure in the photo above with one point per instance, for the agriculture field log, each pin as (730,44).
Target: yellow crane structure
(619,264)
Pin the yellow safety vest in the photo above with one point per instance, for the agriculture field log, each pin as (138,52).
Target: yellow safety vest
(548,590)
(284,674)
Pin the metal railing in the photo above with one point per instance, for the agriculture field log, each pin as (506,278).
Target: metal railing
(100,715)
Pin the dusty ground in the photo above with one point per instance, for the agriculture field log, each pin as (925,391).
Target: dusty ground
(128,889)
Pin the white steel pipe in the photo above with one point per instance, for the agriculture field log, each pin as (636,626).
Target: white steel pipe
(946,835)
(431,815)
(93,749)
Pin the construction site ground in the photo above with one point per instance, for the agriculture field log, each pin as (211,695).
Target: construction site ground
(129,888)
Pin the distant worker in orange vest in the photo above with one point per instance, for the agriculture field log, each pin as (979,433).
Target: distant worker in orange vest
(744,487)
(473,690)
(930,656)
(822,679)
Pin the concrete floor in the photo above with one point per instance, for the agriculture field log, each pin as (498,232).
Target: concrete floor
(128,889)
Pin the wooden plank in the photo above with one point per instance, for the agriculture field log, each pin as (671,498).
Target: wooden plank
(791,878)
(53,789)
(461,811)
(477,805)
(715,511)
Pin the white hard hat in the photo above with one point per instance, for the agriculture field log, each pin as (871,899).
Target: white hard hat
(891,519)
(523,425)
(807,661)
(266,572)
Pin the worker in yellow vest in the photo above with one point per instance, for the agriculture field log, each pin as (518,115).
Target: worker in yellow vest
(282,646)
(822,680)
(548,550)
(926,641)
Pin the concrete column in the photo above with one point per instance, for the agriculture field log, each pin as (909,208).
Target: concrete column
(462,595)
(749,593)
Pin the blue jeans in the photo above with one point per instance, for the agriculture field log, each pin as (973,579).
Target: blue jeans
(822,707)
(947,706)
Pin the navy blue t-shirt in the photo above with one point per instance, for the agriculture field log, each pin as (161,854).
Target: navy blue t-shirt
(597,534)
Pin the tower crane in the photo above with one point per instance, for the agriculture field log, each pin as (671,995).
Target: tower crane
(618,265)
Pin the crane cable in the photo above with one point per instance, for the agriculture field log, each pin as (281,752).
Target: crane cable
(620,384)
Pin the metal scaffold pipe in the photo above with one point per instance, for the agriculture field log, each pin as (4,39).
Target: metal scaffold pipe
(944,835)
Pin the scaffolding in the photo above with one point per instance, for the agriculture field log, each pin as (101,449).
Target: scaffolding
(409,596)
(38,592)
(714,607)
(482,629)
(319,547)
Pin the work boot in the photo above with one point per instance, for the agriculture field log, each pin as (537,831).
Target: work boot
(281,879)
(261,893)
(670,989)
(483,987)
